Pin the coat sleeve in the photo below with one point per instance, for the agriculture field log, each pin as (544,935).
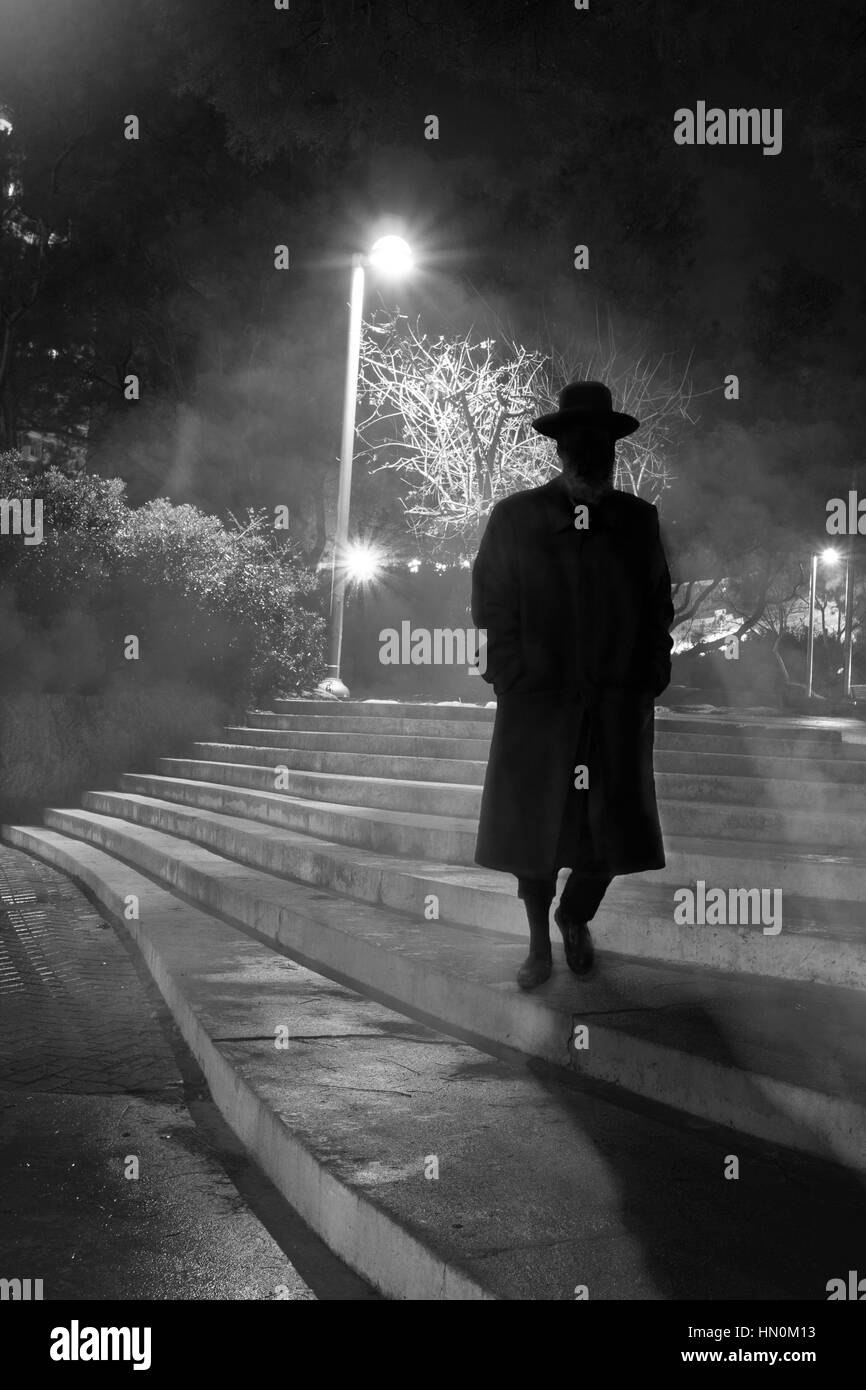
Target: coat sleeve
(661,611)
(496,603)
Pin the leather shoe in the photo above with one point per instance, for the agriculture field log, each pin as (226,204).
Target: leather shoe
(534,971)
(577,940)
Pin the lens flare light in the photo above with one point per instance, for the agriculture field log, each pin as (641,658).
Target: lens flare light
(363,562)
(392,255)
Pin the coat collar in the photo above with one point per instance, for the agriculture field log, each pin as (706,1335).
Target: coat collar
(560,508)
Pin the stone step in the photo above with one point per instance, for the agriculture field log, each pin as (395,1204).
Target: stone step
(735,723)
(335,722)
(820,940)
(781,1061)
(460,712)
(456,750)
(774,743)
(416,709)
(820,828)
(777,747)
(544,1183)
(695,784)
(792,868)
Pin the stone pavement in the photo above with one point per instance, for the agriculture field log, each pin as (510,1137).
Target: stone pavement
(72,1015)
(93,1074)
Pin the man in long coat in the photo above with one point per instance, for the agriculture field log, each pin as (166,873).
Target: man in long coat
(572,587)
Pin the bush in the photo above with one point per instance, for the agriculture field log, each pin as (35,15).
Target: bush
(229,609)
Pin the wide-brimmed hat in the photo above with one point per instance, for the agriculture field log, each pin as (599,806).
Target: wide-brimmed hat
(585,403)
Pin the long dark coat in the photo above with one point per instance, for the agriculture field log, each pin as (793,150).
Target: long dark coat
(578,646)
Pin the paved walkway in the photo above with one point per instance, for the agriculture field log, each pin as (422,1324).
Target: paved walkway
(94,1081)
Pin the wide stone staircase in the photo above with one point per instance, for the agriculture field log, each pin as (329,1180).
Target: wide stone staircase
(688,1122)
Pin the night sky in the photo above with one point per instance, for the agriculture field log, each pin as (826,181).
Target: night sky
(306,126)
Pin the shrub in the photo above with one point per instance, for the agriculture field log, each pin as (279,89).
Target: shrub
(230,608)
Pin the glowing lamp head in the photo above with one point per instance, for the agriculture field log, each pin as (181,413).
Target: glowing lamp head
(363,563)
(830,556)
(392,255)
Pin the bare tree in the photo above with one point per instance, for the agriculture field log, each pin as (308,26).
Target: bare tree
(690,596)
(650,389)
(762,599)
(452,416)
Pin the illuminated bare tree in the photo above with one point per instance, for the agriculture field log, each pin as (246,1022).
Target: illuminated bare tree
(647,388)
(452,416)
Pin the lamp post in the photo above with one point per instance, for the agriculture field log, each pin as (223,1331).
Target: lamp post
(392,256)
(830,557)
(810,640)
(848,648)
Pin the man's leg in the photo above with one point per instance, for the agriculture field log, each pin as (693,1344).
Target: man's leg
(582,895)
(584,890)
(537,895)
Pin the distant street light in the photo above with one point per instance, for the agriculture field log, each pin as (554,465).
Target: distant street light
(830,557)
(392,256)
(848,660)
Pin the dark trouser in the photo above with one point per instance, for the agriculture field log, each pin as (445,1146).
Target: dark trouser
(581,896)
(587,884)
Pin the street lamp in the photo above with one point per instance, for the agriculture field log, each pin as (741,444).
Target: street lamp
(848,661)
(392,256)
(829,557)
